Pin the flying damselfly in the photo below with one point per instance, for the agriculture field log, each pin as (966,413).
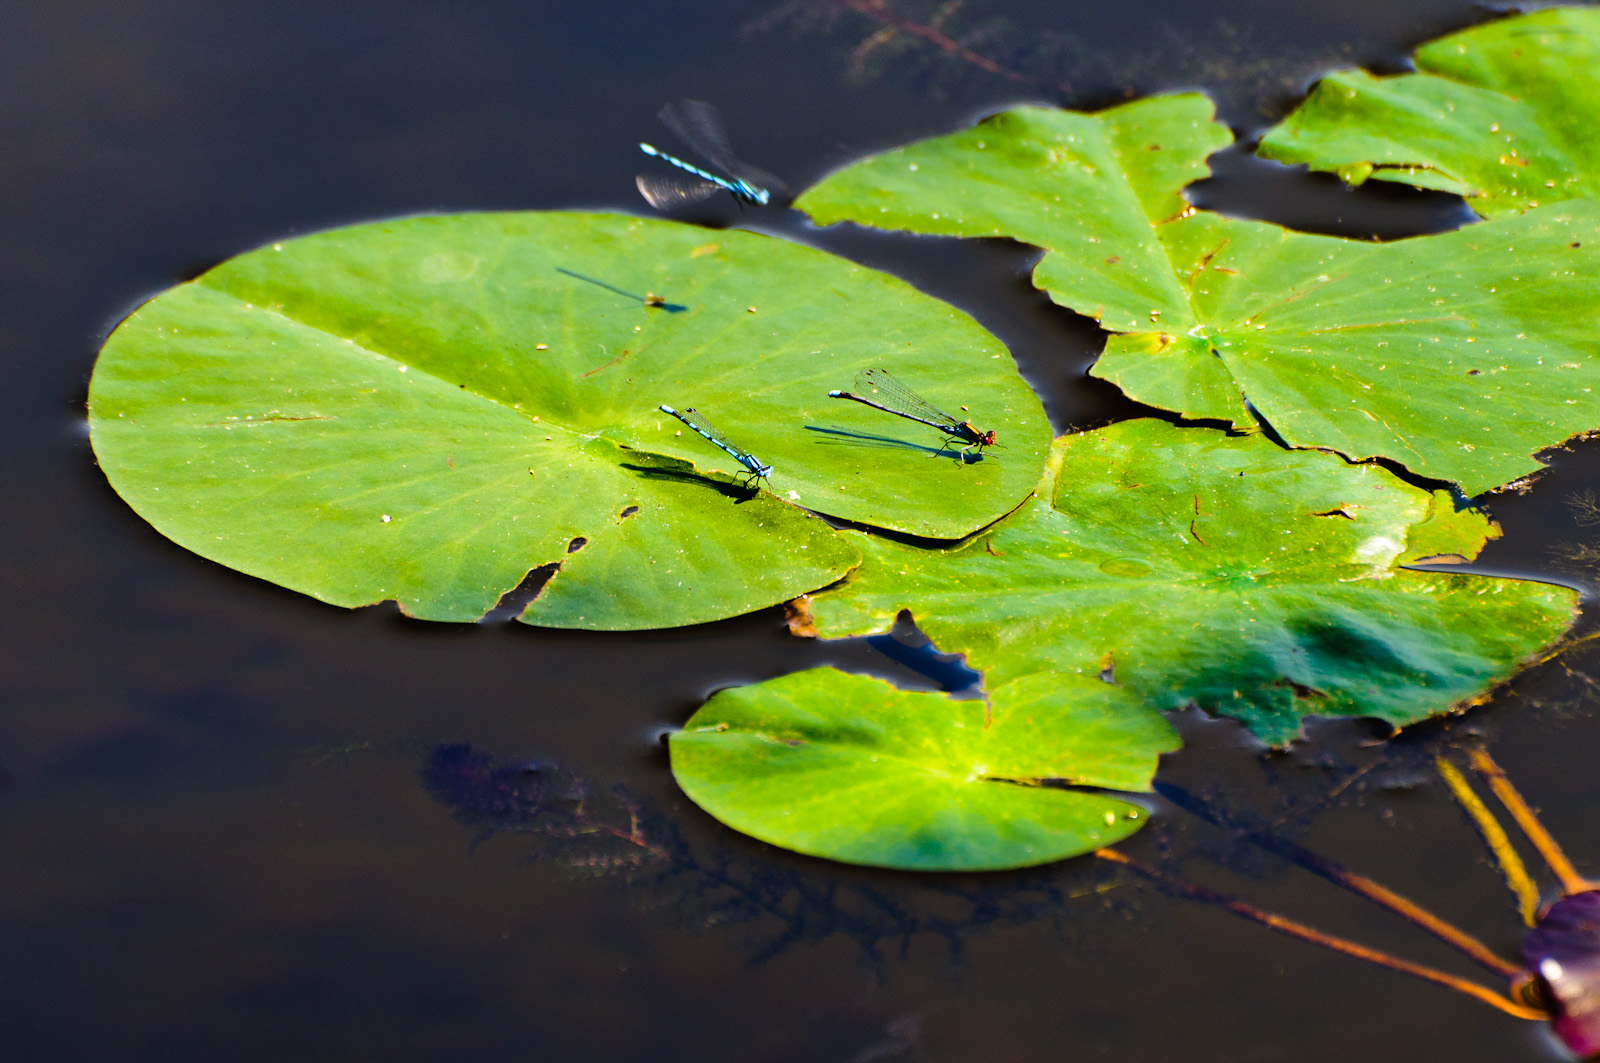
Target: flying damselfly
(699,125)
(878,389)
(694,420)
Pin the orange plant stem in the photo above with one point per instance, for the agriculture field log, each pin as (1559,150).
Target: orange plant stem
(1328,941)
(1571,881)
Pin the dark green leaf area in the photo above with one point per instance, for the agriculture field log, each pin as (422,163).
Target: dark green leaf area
(1459,355)
(425,410)
(852,769)
(1088,188)
(1224,571)
(1503,114)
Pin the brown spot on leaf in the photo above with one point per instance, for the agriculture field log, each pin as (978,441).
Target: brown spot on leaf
(797,614)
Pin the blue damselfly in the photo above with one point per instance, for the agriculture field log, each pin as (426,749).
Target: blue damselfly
(698,123)
(694,420)
(878,389)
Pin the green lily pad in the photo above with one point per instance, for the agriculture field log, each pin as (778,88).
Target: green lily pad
(1503,114)
(1201,568)
(849,768)
(1089,189)
(1458,355)
(424,410)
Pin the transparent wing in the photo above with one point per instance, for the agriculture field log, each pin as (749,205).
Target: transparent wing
(699,124)
(884,389)
(693,418)
(669,191)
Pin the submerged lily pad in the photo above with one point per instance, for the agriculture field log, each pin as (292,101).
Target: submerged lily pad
(1458,355)
(1503,114)
(1197,567)
(849,768)
(424,410)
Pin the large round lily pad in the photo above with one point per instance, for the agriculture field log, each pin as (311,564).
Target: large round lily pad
(425,410)
(849,768)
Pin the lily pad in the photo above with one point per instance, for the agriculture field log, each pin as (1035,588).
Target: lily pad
(1503,114)
(1195,567)
(425,410)
(849,768)
(1458,355)
(1090,189)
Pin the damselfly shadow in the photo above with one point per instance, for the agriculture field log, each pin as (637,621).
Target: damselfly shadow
(649,300)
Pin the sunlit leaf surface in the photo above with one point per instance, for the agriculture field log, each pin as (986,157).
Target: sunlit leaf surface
(424,410)
(1194,566)
(849,768)
(1504,114)
(1458,355)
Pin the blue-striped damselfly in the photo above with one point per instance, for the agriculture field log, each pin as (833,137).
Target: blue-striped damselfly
(880,390)
(694,420)
(698,123)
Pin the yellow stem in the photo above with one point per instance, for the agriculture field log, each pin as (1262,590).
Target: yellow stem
(1571,881)
(1494,836)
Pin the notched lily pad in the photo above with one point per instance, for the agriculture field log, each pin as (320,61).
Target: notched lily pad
(1459,355)
(1503,114)
(1088,188)
(1200,568)
(424,410)
(850,768)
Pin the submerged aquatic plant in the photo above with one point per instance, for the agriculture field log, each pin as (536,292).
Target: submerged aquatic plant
(714,884)
(942,45)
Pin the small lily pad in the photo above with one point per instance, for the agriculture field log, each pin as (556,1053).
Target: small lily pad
(850,768)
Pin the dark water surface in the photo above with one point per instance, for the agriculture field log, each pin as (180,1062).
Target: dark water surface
(215,838)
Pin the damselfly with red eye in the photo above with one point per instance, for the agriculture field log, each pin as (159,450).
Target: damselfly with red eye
(880,390)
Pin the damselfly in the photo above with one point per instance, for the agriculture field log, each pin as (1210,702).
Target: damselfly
(698,123)
(693,419)
(883,392)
